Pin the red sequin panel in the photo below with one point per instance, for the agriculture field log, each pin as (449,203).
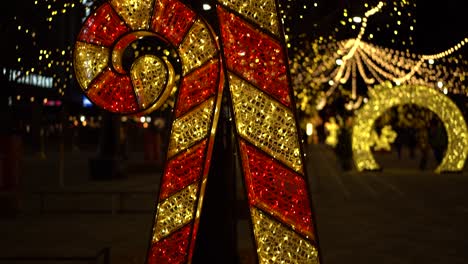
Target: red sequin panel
(254,55)
(197,87)
(172,19)
(274,188)
(183,170)
(103,27)
(113,92)
(172,249)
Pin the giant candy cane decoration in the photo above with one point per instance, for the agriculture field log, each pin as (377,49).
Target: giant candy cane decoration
(183,54)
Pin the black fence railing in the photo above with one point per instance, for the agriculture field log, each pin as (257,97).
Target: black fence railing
(102,257)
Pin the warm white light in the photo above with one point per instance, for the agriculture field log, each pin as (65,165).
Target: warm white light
(440,84)
(82,118)
(331,82)
(142,119)
(309,129)
(357,19)
(445,91)
(206,7)
(431,61)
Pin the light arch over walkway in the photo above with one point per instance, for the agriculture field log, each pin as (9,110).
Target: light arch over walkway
(385,97)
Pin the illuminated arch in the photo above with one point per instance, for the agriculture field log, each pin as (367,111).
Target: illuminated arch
(385,97)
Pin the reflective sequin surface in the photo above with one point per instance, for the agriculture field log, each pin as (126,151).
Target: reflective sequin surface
(262,12)
(278,244)
(276,189)
(149,77)
(198,86)
(136,13)
(183,170)
(172,19)
(266,123)
(190,128)
(90,60)
(103,27)
(175,211)
(255,56)
(197,47)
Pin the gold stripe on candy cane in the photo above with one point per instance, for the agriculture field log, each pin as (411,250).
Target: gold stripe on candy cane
(90,60)
(276,243)
(191,127)
(197,47)
(266,123)
(175,211)
(262,12)
(136,13)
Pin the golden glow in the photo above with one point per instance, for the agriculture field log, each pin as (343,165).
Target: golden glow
(276,243)
(386,97)
(263,12)
(190,128)
(90,60)
(266,123)
(332,130)
(197,47)
(382,142)
(135,13)
(149,77)
(175,211)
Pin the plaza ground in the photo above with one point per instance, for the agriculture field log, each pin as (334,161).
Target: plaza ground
(395,216)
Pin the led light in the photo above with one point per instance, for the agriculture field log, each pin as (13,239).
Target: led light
(357,19)
(309,129)
(206,7)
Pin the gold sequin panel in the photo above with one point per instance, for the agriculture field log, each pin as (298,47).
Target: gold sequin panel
(262,12)
(136,13)
(276,243)
(175,211)
(385,97)
(197,47)
(265,122)
(90,60)
(191,127)
(149,77)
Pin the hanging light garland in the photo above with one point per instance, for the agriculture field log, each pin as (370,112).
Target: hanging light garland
(338,63)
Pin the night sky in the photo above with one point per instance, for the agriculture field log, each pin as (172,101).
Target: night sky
(440,24)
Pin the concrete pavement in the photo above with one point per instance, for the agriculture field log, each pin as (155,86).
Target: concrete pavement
(399,215)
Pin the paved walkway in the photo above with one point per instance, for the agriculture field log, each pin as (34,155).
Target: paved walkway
(399,215)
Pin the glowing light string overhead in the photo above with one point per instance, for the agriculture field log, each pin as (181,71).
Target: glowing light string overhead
(354,45)
(319,68)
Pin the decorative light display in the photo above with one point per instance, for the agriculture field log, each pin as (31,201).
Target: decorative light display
(332,129)
(131,55)
(334,64)
(385,97)
(272,160)
(384,141)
